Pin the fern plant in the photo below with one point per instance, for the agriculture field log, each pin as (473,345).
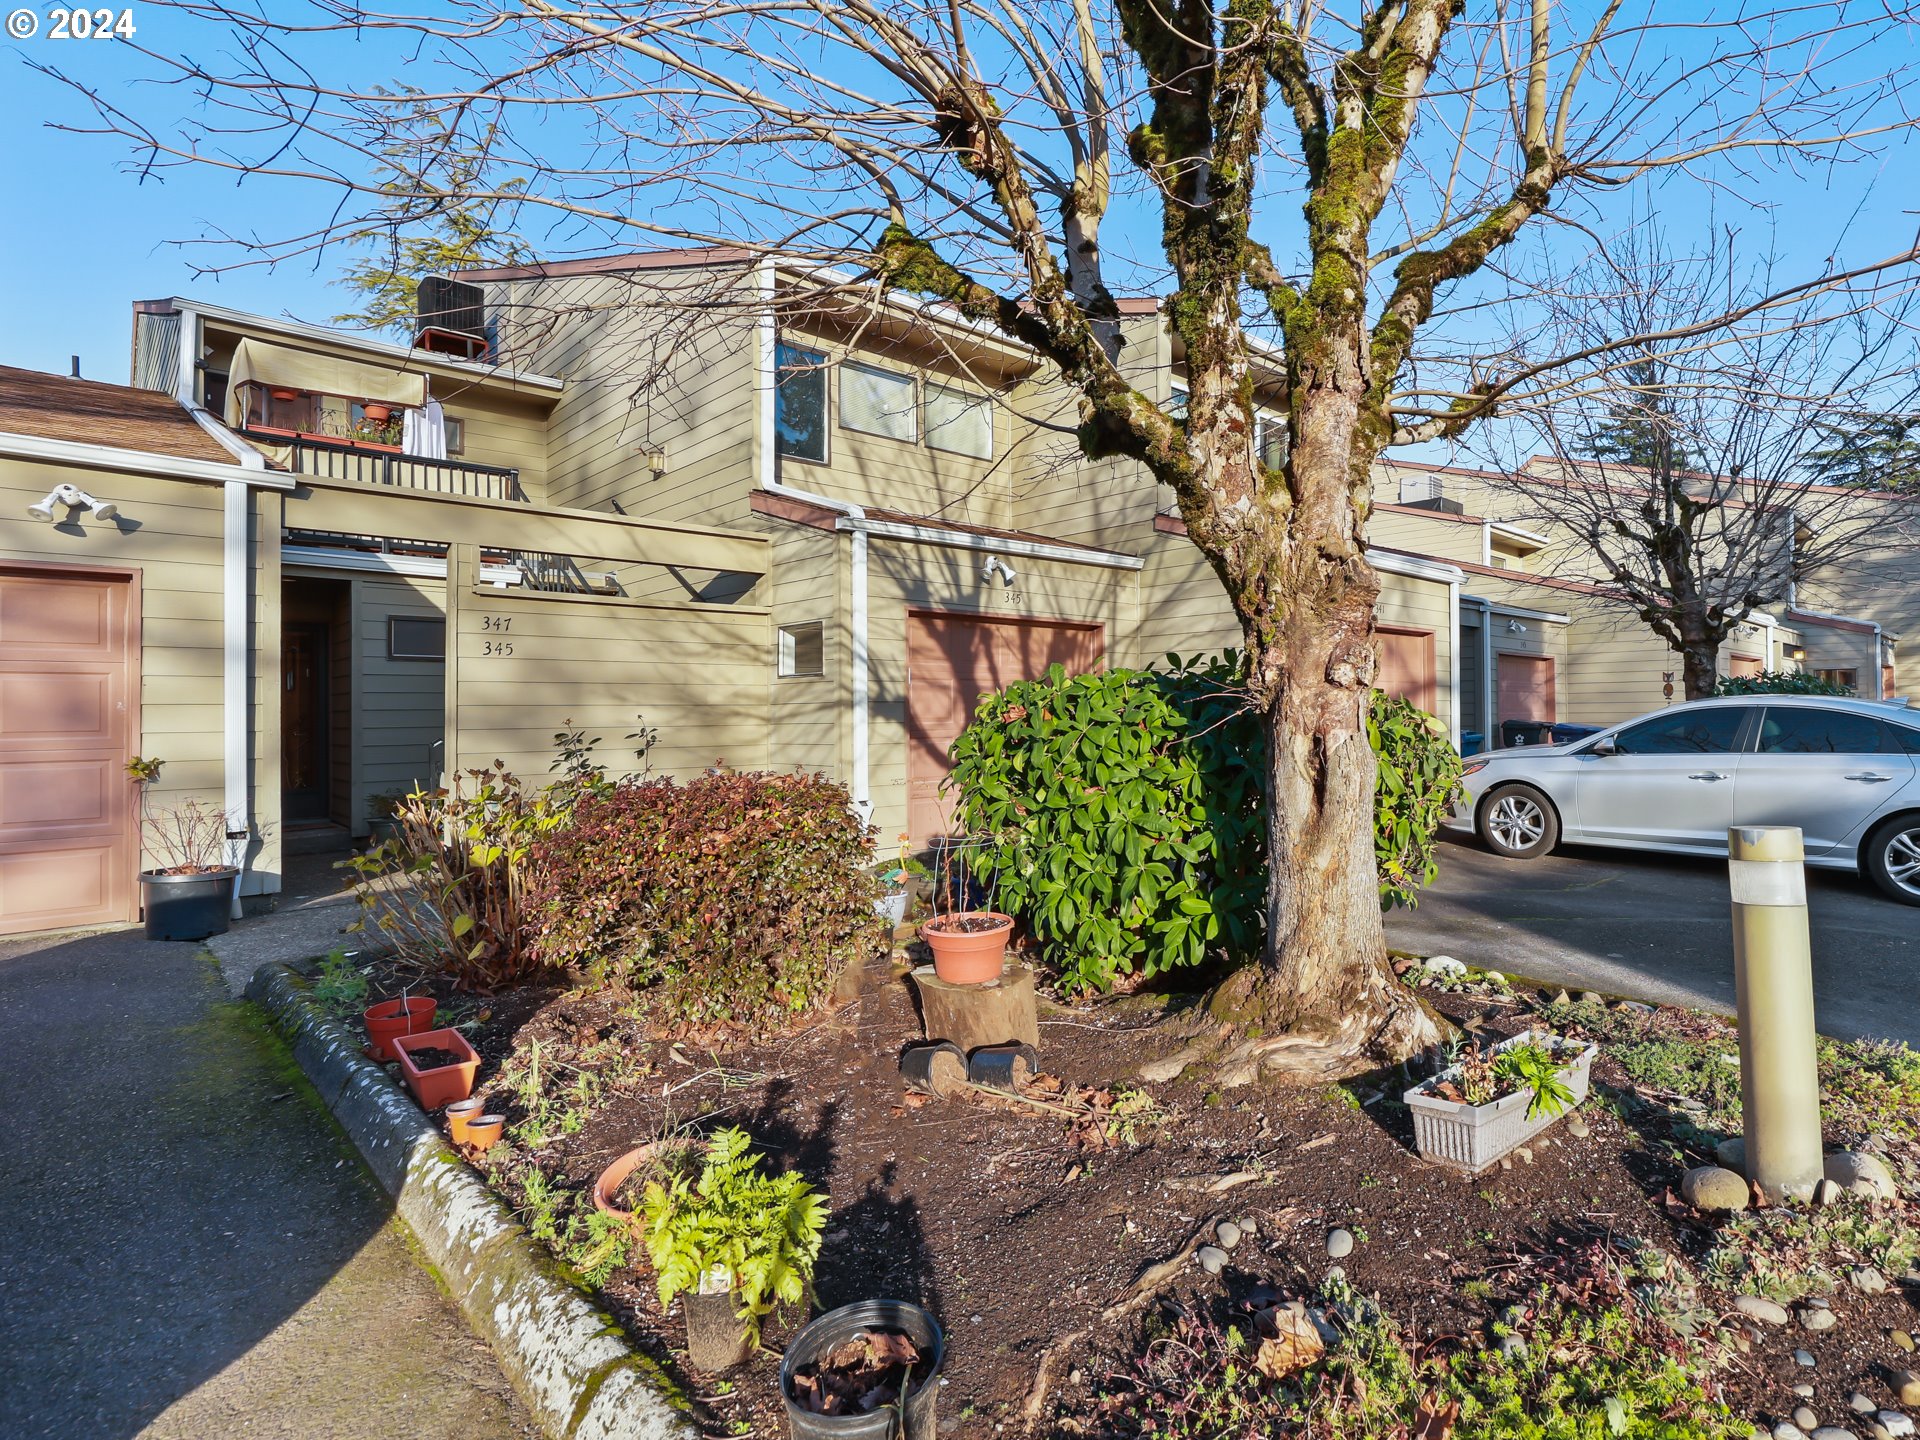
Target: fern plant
(757,1234)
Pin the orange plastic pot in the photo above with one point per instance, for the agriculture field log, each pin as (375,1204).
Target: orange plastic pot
(615,1175)
(387,1021)
(482,1132)
(968,957)
(443,1084)
(460,1115)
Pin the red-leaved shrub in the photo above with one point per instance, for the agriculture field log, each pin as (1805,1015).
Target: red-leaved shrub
(729,898)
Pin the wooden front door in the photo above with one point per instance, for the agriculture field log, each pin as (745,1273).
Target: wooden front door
(1526,688)
(1406,666)
(952,661)
(304,732)
(69,722)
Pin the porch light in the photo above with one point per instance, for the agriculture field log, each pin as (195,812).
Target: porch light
(73,498)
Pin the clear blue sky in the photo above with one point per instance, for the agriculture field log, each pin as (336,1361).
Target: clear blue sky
(81,238)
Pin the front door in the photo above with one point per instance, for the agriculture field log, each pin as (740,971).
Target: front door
(1670,782)
(69,694)
(952,661)
(1824,770)
(303,723)
(1406,666)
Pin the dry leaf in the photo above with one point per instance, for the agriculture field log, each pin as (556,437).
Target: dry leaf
(1434,1421)
(1294,1344)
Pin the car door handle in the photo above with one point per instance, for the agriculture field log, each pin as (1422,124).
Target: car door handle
(1868,778)
(1707,775)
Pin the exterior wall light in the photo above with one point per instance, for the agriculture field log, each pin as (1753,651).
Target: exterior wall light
(72,497)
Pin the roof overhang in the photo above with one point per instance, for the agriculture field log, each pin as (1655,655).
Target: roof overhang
(136,462)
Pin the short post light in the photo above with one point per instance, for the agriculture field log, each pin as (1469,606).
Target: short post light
(1773,986)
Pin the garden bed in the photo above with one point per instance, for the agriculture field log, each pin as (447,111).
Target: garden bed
(1025,1232)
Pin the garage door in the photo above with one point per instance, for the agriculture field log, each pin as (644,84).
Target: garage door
(952,660)
(68,699)
(1526,687)
(1744,667)
(1406,665)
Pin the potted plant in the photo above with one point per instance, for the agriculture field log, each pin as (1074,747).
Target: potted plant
(896,880)
(1489,1102)
(188,895)
(734,1241)
(390,1019)
(969,946)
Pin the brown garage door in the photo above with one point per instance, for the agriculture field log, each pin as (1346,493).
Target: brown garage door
(1526,687)
(952,660)
(1742,667)
(1406,665)
(68,715)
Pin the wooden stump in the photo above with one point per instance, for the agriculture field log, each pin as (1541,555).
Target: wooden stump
(975,1015)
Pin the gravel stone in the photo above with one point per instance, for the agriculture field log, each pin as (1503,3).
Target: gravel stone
(1804,1359)
(1895,1422)
(1903,1340)
(1339,1243)
(1804,1417)
(1906,1384)
(1787,1430)
(1212,1259)
(1817,1320)
(1758,1307)
(1578,1128)
(1732,1153)
(1803,1390)
(1228,1234)
(1860,1404)
(1834,1432)
(1869,1281)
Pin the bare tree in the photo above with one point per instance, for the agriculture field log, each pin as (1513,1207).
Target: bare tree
(1325,178)
(1693,478)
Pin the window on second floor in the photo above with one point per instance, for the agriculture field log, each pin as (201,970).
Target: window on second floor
(800,403)
(959,422)
(878,402)
(456,435)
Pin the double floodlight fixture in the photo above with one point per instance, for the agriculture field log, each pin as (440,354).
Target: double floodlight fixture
(71,498)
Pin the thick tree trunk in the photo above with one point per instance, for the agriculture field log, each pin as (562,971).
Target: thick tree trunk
(1699,668)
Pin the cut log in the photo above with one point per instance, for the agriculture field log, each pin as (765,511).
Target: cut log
(974,1015)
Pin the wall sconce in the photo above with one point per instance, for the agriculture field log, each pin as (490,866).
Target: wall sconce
(995,565)
(655,460)
(1515,627)
(1796,652)
(73,498)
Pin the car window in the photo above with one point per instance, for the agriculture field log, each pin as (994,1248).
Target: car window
(1685,732)
(1807,730)
(1904,739)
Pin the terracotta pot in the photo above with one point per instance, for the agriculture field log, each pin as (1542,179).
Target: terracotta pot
(377,412)
(385,1022)
(481,1133)
(460,1117)
(968,957)
(282,393)
(616,1175)
(443,1084)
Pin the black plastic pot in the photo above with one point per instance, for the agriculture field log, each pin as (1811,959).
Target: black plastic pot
(1004,1067)
(187,907)
(837,1327)
(939,1069)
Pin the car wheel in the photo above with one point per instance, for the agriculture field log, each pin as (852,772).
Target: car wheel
(1518,821)
(1891,858)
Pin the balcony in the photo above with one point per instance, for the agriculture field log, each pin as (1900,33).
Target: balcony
(389,465)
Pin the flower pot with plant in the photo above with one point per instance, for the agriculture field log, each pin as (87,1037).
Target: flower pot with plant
(408,1015)
(736,1242)
(896,886)
(967,935)
(1489,1102)
(188,894)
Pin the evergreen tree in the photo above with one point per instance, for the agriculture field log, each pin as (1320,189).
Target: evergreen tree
(1874,452)
(1641,429)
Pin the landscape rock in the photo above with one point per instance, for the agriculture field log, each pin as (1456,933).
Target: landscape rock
(1732,1153)
(1903,1340)
(1815,1319)
(1512,1346)
(1339,1243)
(1560,997)
(1787,1430)
(1861,1404)
(1895,1422)
(1445,965)
(1906,1385)
(1862,1173)
(1758,1307)
(1592,997)
(1212,1259)
(1709,1187)
(1827,1193)
(1227,1233)
(1803,1390)
(1804,1417)
(1834,1432)
(1578,1127)
(1869,1281)
(1804,1359)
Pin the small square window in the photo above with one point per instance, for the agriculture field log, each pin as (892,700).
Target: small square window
(877,402)
(456,435)
(803,649)
(416,637)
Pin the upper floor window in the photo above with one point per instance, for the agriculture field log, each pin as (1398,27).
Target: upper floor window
(959,422)
(877,402)
(1177,402)
(800,402)
(456,435)
(1270,440)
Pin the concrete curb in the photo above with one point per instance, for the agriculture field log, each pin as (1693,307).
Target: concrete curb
(568,1359)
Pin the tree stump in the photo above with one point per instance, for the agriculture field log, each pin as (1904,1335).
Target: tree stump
(974,1015)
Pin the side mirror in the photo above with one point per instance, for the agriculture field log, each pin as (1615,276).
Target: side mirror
(1604,746)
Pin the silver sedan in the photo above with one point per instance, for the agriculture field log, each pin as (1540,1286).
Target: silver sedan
(1847,772)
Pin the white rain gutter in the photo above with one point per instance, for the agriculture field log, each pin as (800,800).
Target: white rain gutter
(767,341)
(136,462)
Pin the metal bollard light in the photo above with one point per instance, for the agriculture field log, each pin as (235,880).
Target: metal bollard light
(1773,985)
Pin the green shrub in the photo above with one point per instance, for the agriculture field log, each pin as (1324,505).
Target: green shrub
(1123,812)
(1778,682)
(730,898)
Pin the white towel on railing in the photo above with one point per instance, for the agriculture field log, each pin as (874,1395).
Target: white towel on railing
(424,431)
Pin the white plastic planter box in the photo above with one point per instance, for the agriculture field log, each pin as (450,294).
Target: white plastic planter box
(892,909)
(1477,1137)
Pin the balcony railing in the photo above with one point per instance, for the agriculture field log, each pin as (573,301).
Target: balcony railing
(367,465)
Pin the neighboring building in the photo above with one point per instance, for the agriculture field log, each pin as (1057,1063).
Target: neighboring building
(734,502)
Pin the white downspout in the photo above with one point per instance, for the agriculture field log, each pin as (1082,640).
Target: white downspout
(1453,660)
(1879,663)
(767,336)
(235,598)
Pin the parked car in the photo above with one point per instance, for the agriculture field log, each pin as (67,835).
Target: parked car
(1844,771)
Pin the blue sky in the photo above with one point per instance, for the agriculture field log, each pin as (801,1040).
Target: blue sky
(83,237)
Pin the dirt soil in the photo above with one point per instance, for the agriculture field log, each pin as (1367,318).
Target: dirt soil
(1018,1227)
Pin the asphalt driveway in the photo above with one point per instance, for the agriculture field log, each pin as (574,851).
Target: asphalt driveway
(1657,927)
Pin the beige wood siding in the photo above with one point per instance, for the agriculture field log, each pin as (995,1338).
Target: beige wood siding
(500,430)
(398,704)
(808,713)
(171,531)
(529,663)
(645,371)
(1616,667)
(903,577)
